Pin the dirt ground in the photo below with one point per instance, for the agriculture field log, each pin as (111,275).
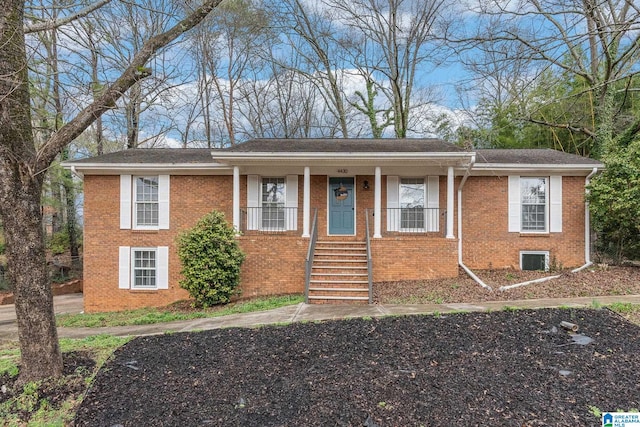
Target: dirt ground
(507,368)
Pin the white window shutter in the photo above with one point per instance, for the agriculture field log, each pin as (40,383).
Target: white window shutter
(433,203)
(163,201)
(124,267)
(162,267)
(291,202)
(514,204)
(125,202)
(555,209)
(253,202)
(393,203)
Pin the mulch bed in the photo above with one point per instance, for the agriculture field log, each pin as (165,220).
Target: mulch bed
(502,368)
(596,281)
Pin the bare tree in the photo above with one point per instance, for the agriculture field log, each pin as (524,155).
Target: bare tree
(403,32)
(22,167)
(225,48)
(593,45)
(310,34)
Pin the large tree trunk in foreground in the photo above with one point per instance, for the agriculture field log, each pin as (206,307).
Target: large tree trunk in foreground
(40,353)
(22,170)
(20,192)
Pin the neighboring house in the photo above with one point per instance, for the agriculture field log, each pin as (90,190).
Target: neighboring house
(427,207)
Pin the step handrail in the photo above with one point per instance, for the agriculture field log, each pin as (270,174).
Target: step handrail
(369,261)
(309,261)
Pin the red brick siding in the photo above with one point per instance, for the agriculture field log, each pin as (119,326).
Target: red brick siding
(408,258)
(275,263)
(487,243)
(191,198)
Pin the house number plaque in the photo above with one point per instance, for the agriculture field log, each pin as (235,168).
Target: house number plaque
(343,170)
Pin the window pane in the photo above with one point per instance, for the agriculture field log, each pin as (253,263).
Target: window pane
(412,193)
(533,193)
(144,269)
(273,204)
(412,211)
(534,262)
(273,190)
(146,198)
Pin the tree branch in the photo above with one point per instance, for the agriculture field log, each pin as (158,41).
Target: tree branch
(567,126)
(50,25)
(134,73)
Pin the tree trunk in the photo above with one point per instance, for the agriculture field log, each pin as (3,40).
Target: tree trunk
(20,192)
(40,353)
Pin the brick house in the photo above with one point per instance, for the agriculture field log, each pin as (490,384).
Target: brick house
(329,217)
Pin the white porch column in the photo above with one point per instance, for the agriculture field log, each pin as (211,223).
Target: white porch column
(377,204)
(236,198)
(306,203)
(450,185)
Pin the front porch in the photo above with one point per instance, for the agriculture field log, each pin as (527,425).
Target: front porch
(342,268)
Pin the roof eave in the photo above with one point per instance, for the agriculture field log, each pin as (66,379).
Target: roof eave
(319,157)
(142,167)
(582,169)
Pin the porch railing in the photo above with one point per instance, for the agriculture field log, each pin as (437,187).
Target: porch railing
(309,260)
(268,219)
(369,260)
(412,220)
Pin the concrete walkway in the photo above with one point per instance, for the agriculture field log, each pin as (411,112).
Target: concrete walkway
(72,303)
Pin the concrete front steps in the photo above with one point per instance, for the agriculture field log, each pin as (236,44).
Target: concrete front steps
(339,273)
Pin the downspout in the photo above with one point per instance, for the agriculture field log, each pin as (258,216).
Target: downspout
(587,226)
(587,244)
(460,263)
(76,173)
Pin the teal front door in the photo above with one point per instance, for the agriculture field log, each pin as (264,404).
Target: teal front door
(341,206)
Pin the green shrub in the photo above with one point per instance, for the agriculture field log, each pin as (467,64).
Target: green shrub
(58,243)
(211,260)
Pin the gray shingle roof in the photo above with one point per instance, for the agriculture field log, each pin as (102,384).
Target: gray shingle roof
(532,156)
(173,156)
(152,155)
(385,145)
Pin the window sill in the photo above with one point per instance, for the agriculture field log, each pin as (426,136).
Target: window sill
(535,234)
(145,230)
(144,291)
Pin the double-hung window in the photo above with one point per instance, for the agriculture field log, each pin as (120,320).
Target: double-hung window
(535,204)
(144,268)
(273,204)
(412,207)
(533,196)
(413,204)
(146,201)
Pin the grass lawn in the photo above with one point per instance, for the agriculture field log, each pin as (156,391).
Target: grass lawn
(179,311)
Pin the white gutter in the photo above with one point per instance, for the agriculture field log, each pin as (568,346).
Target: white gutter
(587,226)
(324,155)
(520,166)
(143,166)
(460,263)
